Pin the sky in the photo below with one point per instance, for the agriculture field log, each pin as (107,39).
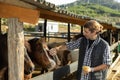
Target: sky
(117,0)
(59,2)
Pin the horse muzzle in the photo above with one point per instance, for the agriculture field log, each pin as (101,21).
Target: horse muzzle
(29,71)
(52,65)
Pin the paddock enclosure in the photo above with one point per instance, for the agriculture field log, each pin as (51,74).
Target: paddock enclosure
(30,11)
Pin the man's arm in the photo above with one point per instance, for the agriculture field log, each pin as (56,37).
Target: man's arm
(61,47)
(100,67)
(54,51)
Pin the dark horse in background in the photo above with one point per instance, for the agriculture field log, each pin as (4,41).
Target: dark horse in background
(38,52)
(28,65)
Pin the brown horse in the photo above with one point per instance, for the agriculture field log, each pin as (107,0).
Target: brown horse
(28,65)
(38,51)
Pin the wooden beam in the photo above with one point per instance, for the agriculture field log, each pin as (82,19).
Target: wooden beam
(18,3)
(15,49)
(59,73)
(60,17)
(108,26)
(46,14)
(32,16)
(24,14)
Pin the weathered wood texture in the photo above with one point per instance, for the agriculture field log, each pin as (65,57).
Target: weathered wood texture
(18,3)
(114,70)
(15,49)
(113,46)
(24,14)
(59,73)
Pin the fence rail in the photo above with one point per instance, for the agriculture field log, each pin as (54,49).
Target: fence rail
(59,73)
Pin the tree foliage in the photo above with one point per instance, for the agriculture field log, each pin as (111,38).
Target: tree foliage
(100,9)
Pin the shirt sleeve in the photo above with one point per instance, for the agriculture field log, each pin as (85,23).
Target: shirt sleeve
(73,44)
(107,56)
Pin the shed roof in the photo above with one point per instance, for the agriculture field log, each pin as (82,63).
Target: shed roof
(50,11)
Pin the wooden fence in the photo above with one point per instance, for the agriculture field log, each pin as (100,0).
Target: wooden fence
(59,73)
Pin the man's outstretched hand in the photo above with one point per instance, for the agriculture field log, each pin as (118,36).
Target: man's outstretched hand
(53,51)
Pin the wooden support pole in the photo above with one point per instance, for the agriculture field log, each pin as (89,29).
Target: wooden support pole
(68,32)
(15,49)
(82,30)
(109,36)
(45,28)
(0,26)
(118,34)
(117,37)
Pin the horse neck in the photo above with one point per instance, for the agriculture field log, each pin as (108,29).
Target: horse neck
(26,57)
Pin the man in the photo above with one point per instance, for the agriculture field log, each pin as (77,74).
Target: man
(94,52)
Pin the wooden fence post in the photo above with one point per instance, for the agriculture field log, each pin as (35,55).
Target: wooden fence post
(0,25)
(15,49)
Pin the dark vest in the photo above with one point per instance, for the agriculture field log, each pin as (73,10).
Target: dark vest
(96,59)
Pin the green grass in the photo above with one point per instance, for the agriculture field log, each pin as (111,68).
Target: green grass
(96,11)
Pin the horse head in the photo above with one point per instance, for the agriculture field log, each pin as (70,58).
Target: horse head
(28,65)
(40,54)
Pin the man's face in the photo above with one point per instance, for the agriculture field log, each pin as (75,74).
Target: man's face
(88,34)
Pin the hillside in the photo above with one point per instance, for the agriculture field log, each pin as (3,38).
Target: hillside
(94,10)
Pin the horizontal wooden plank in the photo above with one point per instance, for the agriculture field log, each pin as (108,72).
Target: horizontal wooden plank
(114,69)
(113,46)
(60,17)
(69,19)
(24,14)
(18,3)
(59,73)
